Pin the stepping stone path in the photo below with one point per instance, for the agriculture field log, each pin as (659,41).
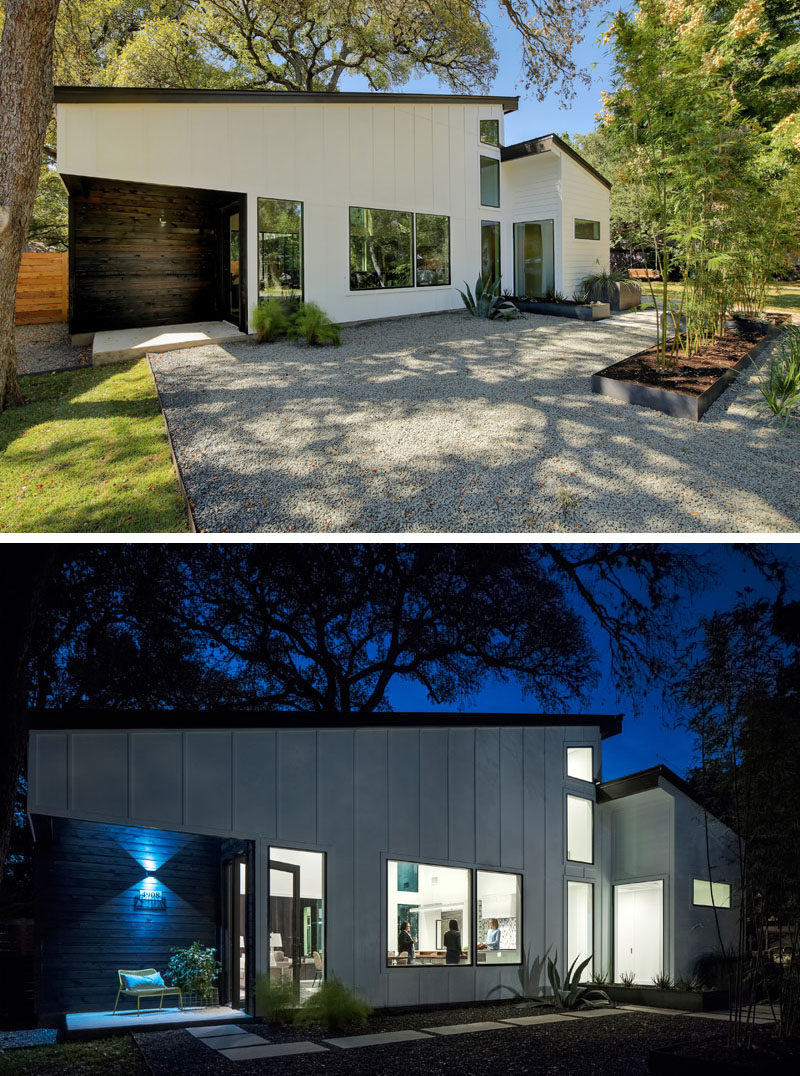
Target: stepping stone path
(465,1029)
(380,1039)
(238,1045)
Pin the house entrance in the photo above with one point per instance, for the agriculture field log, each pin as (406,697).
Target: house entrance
(639,930)
(297,917)
(234,941)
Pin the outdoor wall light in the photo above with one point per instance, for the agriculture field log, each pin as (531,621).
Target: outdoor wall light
(149,897)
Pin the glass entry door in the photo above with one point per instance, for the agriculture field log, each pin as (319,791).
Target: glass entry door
(231,268)
(297,917)
(639,930)
(235,935)
(534,269)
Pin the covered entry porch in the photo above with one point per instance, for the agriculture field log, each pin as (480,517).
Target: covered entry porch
(147,255)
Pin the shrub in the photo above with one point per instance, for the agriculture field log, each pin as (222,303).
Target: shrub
(334,1007)
(553,296)
(572,994)
(688,983)
(276,1001)
(600,287)
(662,981)
(194,970)
(314,326)
(270,320)
(486,303)
(779,383)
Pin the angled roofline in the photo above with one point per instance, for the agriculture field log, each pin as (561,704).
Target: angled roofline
(135,95)
(542,145)
(62,720)
(643,781)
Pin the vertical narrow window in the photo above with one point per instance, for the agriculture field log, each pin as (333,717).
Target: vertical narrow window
(296,917)
(430,925)
(433,249)
(490,250)
(280,248)
(580,918)
(579,763)
(499,938)
(490,181)
(381,242)
(490,132)
(579,829)
(534,261)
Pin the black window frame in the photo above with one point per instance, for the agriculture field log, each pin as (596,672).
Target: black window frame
(471,889)
(495,161)
(414,281)
(591,802)
(711,904)
(484,141)
(586,238)
(297,201)
(520,934)
(439,284)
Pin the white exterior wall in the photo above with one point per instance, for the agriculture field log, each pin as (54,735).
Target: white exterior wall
(583,196)
(492,798)
(416,157)
(533,187)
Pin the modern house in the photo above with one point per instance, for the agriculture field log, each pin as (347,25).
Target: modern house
(188,205)
(299,843)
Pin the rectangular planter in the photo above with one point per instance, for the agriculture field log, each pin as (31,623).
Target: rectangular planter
(679,404)
(686,1000)
(584,311)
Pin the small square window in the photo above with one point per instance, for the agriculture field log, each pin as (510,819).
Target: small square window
(490,132)
(587,229)
(579,763)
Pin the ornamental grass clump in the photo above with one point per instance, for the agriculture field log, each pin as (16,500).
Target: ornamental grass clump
(276,1001)
(334,1006)
(314,326)
(270,320)
(779,382)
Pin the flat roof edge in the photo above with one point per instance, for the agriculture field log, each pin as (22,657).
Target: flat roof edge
(64,95)
(79,720)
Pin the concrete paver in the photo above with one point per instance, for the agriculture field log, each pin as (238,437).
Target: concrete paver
(280,1049)
(380,1039)
(466,1029)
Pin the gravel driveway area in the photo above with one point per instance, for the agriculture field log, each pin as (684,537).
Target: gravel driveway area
(454,424)
(46,349)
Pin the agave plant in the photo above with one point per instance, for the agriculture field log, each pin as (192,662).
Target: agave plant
(571,994)
(486,303)
(529,974)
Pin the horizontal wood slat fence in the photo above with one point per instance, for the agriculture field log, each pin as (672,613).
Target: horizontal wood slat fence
(43,289)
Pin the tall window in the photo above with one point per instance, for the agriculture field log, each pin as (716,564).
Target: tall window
(381,249)
(419,924)
(534,263)
(587,229)
(280,248)
(580,943)
(711,894)
(490,181)
(433,249)
(490,249)
(579,763)
(490,132)
(579,829)
(499,935)
(296,915)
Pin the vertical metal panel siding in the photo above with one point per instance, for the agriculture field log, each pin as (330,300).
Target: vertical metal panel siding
(534,837)
(207,781)
(99,774)
(254,786)
(403,781)
(297,785)
(371,833)
(487,796)
(512,807)
(156,782)
(433,771)
(335,830)
(461,794)
(48,773)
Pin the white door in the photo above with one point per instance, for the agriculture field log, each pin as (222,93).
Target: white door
(639,930)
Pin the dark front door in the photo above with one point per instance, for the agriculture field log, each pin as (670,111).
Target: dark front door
(232,265)
(286,917)
(235,938)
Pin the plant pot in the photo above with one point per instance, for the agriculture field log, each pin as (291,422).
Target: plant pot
(200,1001)
(686,1000)
(581,311)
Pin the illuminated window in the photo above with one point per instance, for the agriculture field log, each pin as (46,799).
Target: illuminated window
(499,936)
(579,763)
(420,931)
(712,894)
(580,942)
(579,829)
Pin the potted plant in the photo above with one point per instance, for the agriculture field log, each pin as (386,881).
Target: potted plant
(194,970)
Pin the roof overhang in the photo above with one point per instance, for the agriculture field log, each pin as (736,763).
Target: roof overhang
(545,144)
(62,720)
(643,781)
(119,95)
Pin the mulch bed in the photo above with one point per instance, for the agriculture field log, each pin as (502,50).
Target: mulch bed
(694,375)
(615,1045)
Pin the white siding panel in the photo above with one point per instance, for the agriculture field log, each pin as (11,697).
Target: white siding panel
(371,831)
(441,169)
(255,785)
(583,196)
(211,148)
(278,178)
(99,774)
(335,181)
(335,831)
(404,157)
(383,155)
(166,135)
(207,781)
(119,142)
(156,771)
(641,834)
(423,158)
(362,187)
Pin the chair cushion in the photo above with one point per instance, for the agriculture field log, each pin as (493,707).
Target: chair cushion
(133,982)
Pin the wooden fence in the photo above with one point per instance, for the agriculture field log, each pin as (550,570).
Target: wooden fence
(43,289)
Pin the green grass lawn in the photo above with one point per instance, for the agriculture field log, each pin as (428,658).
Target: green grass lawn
(96,1058)
(88,452)
(780,296)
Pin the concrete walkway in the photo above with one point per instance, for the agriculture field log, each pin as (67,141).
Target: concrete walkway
(119,345)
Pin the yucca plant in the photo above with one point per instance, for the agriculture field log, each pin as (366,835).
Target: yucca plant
(486,302)
(571,994)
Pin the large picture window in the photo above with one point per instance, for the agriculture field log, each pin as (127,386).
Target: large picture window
(499,918)
(381,249)
(490,181)
(429,927)
(280,248)
(580,930)
(433,249)
(579,829)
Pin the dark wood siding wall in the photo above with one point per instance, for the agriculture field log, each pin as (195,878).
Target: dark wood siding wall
(87,875)
(128,269)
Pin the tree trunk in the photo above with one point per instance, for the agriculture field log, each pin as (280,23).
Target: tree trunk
(26,102)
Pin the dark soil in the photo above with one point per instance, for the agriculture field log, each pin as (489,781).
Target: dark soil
(693,375)
(615,1045)
(717,1055)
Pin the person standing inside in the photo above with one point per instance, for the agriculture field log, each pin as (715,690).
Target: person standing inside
(405,943)
(493,935)
(452,943)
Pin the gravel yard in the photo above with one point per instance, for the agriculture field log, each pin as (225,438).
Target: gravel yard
(454,424)
(613,1045)
(43,349)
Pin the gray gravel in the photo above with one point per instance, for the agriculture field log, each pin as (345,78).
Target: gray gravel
(453,424)
(44,349)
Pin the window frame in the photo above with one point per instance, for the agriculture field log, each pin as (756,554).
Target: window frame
(591,802)
(471,961)
(520,935)
(413,285)
(268,847)
(711,903)
(494,224)
(519,288)
(496,161)
(449,283)
(301,203)
(587,238)
(481,139)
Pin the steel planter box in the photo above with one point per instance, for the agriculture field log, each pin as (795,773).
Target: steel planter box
(584,312)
